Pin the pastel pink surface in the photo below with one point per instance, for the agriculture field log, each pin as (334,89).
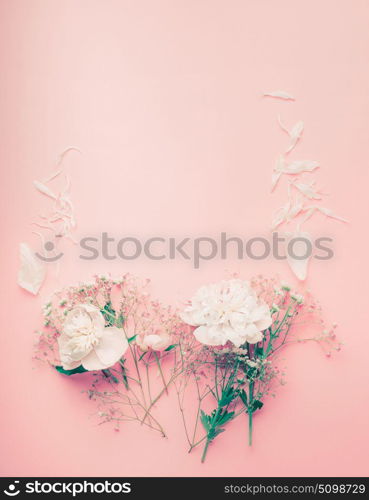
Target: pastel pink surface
(164,100)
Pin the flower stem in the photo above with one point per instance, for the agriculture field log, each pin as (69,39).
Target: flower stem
(161,372)
(250,428)
(205,451)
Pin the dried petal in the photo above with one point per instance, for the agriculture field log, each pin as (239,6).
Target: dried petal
(307,190)
(44,189)
(295,135)
(275,179)
(329,213)
(309,212)
(281,215)
(296,207)
(280,94)
(298,167)
(60,158)
(52,176)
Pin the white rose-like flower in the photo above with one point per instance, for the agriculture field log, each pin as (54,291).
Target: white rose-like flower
(86,341)
(156,341)
(228,311)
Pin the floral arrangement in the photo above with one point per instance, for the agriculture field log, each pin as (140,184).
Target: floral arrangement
(224,344)
(241,327)
(115,331)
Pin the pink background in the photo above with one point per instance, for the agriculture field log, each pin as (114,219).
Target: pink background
(164,100)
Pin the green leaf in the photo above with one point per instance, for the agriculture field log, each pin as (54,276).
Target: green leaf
(259,351)
(131,339)
(257,405)
(124,373)
(142,355)
(228,395)
(251,372)
(225,417)
(79,369)
(213,433)
(109,314)
(205,420)
(119,321)
(108,374)
(170,347)
(243,397)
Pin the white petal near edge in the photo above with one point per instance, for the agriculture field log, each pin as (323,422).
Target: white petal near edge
(209,335)
(298,253)
(32,272)
(92,362)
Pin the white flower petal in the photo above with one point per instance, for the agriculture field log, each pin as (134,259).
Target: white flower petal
(156,342)
(210,335)
(295,135)
(92,362)
(329,213)
(307,190)
(299,166)
(275,179)
(113,344)
(300,249)
(281,215)
(44,189)
(32,271)
(280,94)
(68,363)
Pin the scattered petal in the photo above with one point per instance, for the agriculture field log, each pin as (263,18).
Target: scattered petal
(60,158)
(283,127)
(298,251)
(298,167)
(296,208)
(309,211)
(44,189)
(295,135)
(307,190)
(32,272)
(329,213)
(278,169)
(281,215)
(280,94)
(275,178)
(53,176)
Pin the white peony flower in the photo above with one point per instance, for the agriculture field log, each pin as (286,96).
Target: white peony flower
(86,341)
(228,311)
(156,342)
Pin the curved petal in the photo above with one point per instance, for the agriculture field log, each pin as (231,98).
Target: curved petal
(264,323)
(255,338)
(66,358)
(210,335)
(236,337)
(192,316)
(113,344)
(157,342)
(92,362)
